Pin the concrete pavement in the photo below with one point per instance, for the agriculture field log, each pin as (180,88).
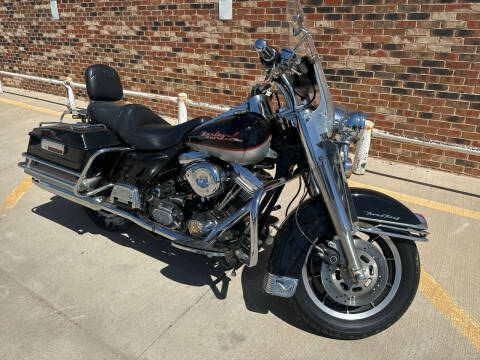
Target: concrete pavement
(69,290)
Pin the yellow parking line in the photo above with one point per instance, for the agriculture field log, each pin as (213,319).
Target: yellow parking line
(422,202)
(465,323)
(16,194)
(35,108)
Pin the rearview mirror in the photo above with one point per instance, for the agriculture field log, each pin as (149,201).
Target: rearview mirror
(297,24)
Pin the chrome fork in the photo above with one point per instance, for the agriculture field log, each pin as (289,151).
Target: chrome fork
(324,184)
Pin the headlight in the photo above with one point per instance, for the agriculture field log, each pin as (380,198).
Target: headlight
(354,123)
(348,125)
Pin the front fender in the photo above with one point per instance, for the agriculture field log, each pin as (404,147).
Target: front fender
(371,204)
(291,246)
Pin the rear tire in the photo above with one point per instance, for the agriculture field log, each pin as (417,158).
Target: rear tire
(107,221)
(335,319)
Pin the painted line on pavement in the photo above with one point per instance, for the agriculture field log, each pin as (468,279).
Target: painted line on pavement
(422,202)
(16,194)
(461,320)
(465,323)
(32,107)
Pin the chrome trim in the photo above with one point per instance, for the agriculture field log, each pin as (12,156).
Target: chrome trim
(190,156)
(72,126)
(38,174)
(227,223)
(126,194)
(390,227)
(232,194)
(282,286)
(375,230)
(99,190)
(52,165)
(92,202)
(418,227)
(422,220)
(197,251)
(83,175)
(245,179)
(290,91)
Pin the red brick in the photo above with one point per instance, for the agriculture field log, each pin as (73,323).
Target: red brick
(396,58)
(474,172)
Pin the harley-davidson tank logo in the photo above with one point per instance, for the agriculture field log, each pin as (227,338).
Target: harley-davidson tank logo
(220,137)
(382,216)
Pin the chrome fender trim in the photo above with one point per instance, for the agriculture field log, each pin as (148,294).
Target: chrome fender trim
(402,231)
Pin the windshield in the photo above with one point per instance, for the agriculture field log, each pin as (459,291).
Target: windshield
(299,37)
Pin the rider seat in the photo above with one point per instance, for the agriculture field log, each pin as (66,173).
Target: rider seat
(134,124)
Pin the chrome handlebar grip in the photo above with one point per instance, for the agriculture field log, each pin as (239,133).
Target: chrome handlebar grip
(265,51)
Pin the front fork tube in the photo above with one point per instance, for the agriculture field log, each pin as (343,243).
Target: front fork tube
(324,179)
(323,182)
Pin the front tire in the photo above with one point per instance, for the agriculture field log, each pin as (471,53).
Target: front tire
(320,302)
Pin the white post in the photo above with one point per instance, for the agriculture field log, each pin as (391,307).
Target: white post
(1,87)
(182,108)
(71,105)
(363,145)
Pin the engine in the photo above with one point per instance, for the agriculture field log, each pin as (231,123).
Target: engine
(204,194)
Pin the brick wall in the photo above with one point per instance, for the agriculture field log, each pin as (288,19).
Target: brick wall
(412,65)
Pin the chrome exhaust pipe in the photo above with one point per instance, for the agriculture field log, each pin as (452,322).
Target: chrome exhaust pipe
(98,203)
(64,182)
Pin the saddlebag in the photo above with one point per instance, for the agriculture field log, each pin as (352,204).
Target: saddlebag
(69,145)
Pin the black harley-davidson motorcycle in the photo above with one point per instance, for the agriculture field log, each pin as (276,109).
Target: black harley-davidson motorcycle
(346,256)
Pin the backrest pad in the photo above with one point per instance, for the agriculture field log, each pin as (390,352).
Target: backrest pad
(103,83)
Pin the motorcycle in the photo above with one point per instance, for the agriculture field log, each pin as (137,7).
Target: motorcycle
(345,256)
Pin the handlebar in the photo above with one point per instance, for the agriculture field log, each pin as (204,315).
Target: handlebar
(265,51)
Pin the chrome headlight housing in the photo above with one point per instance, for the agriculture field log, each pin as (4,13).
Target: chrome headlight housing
(348,125)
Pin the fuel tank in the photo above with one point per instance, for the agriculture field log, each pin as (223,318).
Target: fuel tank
(242,138)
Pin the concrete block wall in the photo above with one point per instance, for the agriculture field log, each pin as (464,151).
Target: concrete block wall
(412,65)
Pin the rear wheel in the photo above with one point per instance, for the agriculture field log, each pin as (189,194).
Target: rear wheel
(106,220)
(335,306)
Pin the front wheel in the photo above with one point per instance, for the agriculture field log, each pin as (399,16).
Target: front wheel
(333,305)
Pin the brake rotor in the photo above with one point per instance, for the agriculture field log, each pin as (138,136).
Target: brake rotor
(340,287)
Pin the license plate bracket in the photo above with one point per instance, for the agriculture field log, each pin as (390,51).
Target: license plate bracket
(53,146)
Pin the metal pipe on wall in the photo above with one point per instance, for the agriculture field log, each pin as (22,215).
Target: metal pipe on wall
(376,133)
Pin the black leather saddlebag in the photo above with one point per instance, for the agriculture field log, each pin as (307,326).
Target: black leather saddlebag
(69,145)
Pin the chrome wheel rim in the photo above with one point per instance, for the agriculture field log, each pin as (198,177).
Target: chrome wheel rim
(328,288)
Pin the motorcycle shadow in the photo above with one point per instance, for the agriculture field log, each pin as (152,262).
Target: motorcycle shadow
(181,266)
